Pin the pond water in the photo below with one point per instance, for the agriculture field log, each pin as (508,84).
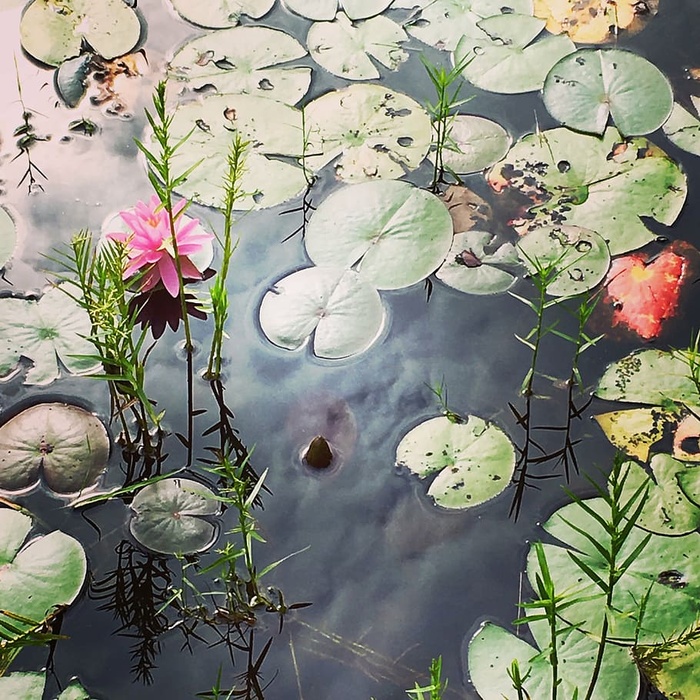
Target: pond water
(393,579)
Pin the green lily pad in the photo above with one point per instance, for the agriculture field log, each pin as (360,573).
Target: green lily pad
(243,61)
(74,691)
(394,234)
(267,179)
(442,23)
(325,10)
(218,14)
(475,459)
(373,131)
(342,311)
(66,445)
(173,516)
(8,236)
(683,130)
(346,48)
(473,264)
(504,56)
(45,331)
(603,184)
(634,431)
(674,668)
(689,482)
(23,685)
(588,86)
(52,32)
(46,572)
(578,257)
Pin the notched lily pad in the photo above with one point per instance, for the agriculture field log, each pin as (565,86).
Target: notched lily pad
(475,459)
(66,445)
(325,10)
(218,14)
(174,516)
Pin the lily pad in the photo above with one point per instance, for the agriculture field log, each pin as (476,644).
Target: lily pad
(46,572)
(442,23)
(267,179)
(8,236)
(243,61)
(342,311)
(74,691)
(603,184)
(578,258)
(475,459)
(689,481)
(346,48)
(23,685)
(674,668)
(683,130)
(376,132)
(588,86)
(473,264)
(325,10)
(52,32)
(636,430)
(66,445)
(173,516)
(394,234)
(686,441)
(505,56)
(218,14)
(45,331)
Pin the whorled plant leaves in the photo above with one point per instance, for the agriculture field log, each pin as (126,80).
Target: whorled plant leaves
(325,10)
(243,61)
(218,14)
(29,685)
(506,56)
(578,258)
(392,233)
(8,236)
(605,184)
(474,459)
(587,87)
(44,332)
(174,516)
(683,128)
(477,265)
(39,574)
(52,32)
(336,306)
(65,445)
(347,48)
(374,132)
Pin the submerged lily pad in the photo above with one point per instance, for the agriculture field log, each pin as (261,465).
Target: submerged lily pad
(394,234)
(341,310)
(218,14)
(376,132)
(45,331)
(683,130)
(46,572)
(505,57)
(346,48)
(8,236)
(475,459)
(325,10)
(173,516)
(52,32)
(588,86)
(243,61)
(603,184)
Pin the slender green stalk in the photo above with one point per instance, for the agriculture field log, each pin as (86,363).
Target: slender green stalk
(518,680)
(436,687)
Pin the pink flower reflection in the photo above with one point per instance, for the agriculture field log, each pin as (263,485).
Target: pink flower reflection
(150,247)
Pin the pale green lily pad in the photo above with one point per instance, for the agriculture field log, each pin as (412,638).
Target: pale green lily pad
(588,86)
(505,56)
(673,668)
(475,459)
(74,691)
(634,431)
(66,445)
(666,510)
(473,264)
(667,570)
(8,236)
(267,180)
(442,23)
(52,32)
(493,649)
(173,516)
(579,258)
(218,14)
(23,685)
(45,331)
(392,233)
(603,184)
(373,131)
(325,10)
(341,310)
(689,482)
(683,130)
(346,48)
(243,61)
(46,572)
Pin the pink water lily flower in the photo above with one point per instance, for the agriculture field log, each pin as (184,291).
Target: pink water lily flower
(150,247)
